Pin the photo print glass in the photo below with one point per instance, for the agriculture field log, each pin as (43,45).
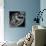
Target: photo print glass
(17,18)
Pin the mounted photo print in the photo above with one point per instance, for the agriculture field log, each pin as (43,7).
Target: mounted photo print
(17,18)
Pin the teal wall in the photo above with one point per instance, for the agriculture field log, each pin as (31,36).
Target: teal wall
(30,7)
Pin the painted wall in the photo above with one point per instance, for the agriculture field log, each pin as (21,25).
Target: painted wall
(43,6)
(30,7)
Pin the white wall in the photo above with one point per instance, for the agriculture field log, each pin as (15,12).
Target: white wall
(1,21)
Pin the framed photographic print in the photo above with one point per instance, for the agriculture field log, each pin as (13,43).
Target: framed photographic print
(17,18)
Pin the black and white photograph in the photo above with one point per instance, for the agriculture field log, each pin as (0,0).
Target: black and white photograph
(17,18)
